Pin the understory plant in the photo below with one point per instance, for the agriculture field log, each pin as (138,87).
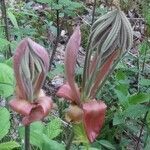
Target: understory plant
(111,37)
(31,63)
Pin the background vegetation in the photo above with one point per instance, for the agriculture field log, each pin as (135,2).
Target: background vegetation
(126,92)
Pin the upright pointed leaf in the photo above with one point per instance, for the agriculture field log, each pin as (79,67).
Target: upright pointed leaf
(4,122)
(70,59)
(103,72)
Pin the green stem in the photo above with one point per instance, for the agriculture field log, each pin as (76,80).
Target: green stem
(4,16)
(93,13)
(57,37)
(68,145)
(27,137)
(141,131)
(145,52)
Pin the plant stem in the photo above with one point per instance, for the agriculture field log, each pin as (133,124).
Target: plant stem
(57,37)
(27,137)
(4,16)
(93,13)
(68,145)
(145,52)
(141,131)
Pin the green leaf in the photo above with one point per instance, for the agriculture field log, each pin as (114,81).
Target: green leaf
(36,134)
(145,82)
(118,118)
(80,135)
(57,6)
(9,145)
(135,111)
(147,147)
(12,19)
(139,98)
(3,43)
(6,80)
(107,144)
(4,122)
(121,91)
(51,144)
(39,139)
(53,129)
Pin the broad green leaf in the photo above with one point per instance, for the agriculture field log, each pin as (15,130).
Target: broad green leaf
(147,147)
(39,139)
(36,134)
(51,144)
(3,43)
(135,111)
(118,118)
(12,19)
(4,122)
(6,80)
(53,129)
(121,75)
(139,98)
(107,144)
(144,46)
(145,82)
(122,94)
(80,135)
(57,6)
(9,145)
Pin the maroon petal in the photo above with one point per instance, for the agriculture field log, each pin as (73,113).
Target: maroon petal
(22,107)
(70,59)
(66,92)
(42,109)
(93,118)
(103,72)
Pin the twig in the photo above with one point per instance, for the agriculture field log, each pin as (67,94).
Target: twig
(4,16)
(57,37)
(136,57)
(141,131)
(138,74)
(83,20)
(93,13)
